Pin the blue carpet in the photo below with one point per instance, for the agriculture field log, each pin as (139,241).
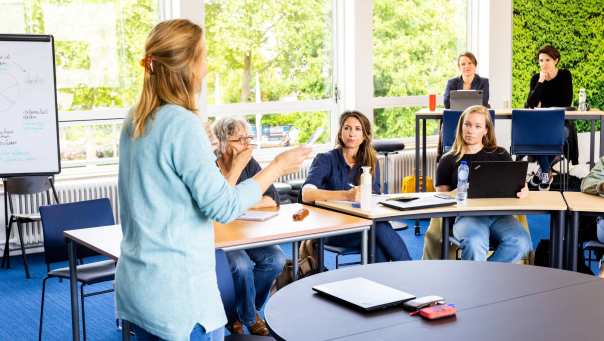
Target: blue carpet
(20,298)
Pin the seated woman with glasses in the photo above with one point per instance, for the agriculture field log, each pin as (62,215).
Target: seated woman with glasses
(254,269)
(335,175)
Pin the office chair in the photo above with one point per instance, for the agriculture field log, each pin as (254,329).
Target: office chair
(449,128)
(539,132)
(17,187)
(77,215)
(229,300)
(386,147)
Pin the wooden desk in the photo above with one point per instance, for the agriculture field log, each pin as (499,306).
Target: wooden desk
(425,114)
(551,203)
(580,203)
(495,301)
(320,223)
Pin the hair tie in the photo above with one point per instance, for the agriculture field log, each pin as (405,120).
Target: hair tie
(147,63)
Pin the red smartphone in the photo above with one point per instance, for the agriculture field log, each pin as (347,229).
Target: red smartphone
(437,311)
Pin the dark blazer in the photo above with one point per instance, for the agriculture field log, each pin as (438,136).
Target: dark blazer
(478,83)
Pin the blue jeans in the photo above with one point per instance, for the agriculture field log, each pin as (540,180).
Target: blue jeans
(389,245)
(545,162)
(198,334)
(253,273)
(476,233)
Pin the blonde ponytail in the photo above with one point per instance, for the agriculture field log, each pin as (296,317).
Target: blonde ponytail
(173,55)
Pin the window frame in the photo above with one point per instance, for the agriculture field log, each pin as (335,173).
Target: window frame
(349,33)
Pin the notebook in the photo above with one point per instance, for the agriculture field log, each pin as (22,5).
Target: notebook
(363,294)
(462,99)
(510,178)
(257,215)
(416,203)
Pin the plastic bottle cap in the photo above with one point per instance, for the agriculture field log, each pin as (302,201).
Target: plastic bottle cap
(464,162)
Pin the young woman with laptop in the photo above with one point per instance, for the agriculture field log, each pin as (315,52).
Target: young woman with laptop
(475,141)
(468,80)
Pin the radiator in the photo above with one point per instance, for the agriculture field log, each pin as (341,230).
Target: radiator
(403,164)
(32,233)
(400,165)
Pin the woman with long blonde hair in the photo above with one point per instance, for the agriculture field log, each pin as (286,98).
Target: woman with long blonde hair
(170,191)
(335,175)
(475,141)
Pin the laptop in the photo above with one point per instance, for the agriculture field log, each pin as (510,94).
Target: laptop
(416,203)
(363,294)
(462,99)
(496,179)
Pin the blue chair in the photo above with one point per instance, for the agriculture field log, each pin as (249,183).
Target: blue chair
(226,286)
(538,132)
(71,216)
(449,128)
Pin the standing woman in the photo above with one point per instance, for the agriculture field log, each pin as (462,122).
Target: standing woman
(335,175)
(552,87)
(254,270)
(475,141)
(170,191)
(468,80)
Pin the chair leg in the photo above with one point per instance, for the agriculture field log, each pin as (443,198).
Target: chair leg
(83,316)
(6,255)
(23,254)
(42,309)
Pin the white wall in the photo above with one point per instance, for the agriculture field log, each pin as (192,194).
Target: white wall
(499,58)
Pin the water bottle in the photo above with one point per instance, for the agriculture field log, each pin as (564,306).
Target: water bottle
(462,182)
(582,100)
(366,186)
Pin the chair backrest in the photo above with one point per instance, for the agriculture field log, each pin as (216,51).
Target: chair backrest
(72,216)
(29,185)
(537,132)
(226,285)
(450,120)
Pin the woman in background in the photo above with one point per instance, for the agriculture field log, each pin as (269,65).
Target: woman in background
(335,175)
(468,80)
(170,191)
(552,87)
(254,270)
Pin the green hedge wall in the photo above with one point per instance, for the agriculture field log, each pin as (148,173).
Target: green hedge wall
(576,28)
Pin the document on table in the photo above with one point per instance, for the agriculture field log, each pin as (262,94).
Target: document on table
(252,215)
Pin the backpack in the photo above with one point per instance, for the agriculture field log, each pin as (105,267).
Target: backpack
(308,264)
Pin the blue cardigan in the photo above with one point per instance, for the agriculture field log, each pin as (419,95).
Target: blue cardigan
(170,190)
(478,83)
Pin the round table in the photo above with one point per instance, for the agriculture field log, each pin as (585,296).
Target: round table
(495,301)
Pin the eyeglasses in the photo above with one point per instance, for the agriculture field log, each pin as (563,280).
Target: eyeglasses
(243,139)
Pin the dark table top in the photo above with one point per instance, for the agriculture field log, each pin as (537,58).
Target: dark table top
(495,301)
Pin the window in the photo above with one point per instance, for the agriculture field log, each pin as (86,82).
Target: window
(273,62)
(98,44)
(415,46)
